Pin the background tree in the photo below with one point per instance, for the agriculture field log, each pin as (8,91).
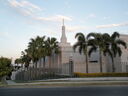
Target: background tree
(25,58)
(52,47)
(19,62)
(41,49)
(98,44)
(115,44)
(106,44)
(82,45)
(33,48)
(5,66)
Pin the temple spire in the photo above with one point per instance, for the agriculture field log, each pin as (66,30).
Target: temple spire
(63,21)
(63,37)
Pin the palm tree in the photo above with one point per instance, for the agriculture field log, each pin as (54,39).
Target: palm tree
(82,45)
(18,61)
(52,48)
(36,51)
(107,50)
(107,45)
(33,50)
(43,51)
(114,43)
(41,48)
(25,58)
(98,43)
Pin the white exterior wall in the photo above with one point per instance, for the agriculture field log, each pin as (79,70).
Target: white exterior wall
(124,57)
(79,60)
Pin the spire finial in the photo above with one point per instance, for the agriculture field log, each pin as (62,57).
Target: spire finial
(63,21)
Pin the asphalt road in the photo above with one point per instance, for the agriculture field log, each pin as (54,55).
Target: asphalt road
(67,91)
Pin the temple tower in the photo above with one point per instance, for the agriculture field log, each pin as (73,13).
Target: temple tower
(63,37)
(63,41)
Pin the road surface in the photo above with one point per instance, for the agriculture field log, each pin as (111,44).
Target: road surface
(67,91)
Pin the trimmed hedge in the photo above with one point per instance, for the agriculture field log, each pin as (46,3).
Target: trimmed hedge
(53,76)
(78,74)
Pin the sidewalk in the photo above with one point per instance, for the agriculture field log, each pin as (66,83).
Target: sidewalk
(10,82)
(90,79)
(75,81)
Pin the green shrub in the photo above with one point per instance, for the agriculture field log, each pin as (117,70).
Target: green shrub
(5,66)
(77,74)
(53,76)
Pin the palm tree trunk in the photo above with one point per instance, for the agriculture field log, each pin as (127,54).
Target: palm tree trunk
(35,70)
(43,64)
(113,66)
(40,63)
(50,63)
(39,74)
(86,63)
(100,59)
(36,64)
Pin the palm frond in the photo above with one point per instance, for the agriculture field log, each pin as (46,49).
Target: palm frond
(79,34)
(92,49)
(115,35)
(92,34)
(119,51)
(80,49)
(76,45)
(121,42)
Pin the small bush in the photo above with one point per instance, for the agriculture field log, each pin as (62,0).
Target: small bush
(77,74)
(5,67)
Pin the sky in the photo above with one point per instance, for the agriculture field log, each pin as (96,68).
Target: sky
(21,20)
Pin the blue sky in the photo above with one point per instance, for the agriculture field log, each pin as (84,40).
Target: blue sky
(21,20)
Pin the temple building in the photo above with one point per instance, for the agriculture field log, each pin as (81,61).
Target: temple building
(78,59)
(124,57)
(68,61)
(61,61)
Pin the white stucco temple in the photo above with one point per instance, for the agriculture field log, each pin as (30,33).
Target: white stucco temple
(61,62)
(79,65)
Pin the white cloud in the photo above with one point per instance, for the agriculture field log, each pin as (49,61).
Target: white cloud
(23,4)
(92,15)
(4,34)
(76,28)
(28,9)
(54,18)
(112,25)
(24,7)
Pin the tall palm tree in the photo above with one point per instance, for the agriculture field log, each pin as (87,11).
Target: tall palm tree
(18,61)
(36,51)
(25,58)
(106,48)
(33,50)
(82,45)
(98,43)
(108,45)
(41,49)
(115,46)
(52,47)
